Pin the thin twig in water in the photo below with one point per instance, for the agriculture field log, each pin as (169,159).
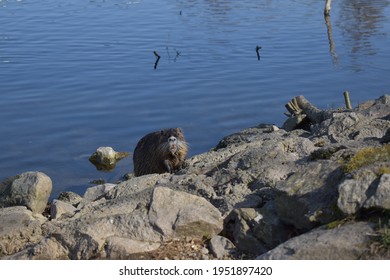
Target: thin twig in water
(169,54)
(158,58)
(258,52)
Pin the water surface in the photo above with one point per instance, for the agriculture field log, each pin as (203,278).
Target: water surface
(77,74)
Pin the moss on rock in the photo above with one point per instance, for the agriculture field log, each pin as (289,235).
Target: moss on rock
(368,156)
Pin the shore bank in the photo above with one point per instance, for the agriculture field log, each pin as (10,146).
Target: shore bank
(264,192)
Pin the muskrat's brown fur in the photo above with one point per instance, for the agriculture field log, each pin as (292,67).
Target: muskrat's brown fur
(160,152)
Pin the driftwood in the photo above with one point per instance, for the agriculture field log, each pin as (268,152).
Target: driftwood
(327,7)
(302,113)
(301,106)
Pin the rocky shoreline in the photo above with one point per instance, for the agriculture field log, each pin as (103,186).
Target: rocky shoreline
(264,193)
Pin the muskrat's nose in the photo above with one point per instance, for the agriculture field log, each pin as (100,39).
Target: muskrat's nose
(172,139)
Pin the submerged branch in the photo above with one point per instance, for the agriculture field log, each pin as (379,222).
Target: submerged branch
(158,58)
(258,52)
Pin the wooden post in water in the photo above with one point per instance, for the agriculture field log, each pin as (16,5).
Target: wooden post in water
(327,7)
(347,101)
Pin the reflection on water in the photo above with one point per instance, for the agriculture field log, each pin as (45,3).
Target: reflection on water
(360,21)
(332,50)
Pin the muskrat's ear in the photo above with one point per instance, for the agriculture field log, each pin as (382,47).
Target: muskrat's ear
(179,129)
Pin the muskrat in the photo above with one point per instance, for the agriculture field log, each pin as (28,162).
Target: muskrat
(162,151)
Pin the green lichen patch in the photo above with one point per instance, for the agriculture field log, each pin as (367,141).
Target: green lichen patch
(368,156)
(336,224)
(384,169)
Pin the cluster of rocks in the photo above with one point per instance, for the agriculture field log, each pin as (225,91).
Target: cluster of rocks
(265,192)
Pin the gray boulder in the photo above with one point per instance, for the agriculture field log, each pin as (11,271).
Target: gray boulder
(353,126)
(70,198)
(367,192)
(347,242)
(19,228)
(256,230)
(269,228)
(46,249)
(122,248)
(221,247)
(30,189)
(96,192)
(239,228)
(308,198)
(376,108)
(179,214)
(381,195)
(58,208)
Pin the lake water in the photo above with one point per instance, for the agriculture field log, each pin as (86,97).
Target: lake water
(79,74)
